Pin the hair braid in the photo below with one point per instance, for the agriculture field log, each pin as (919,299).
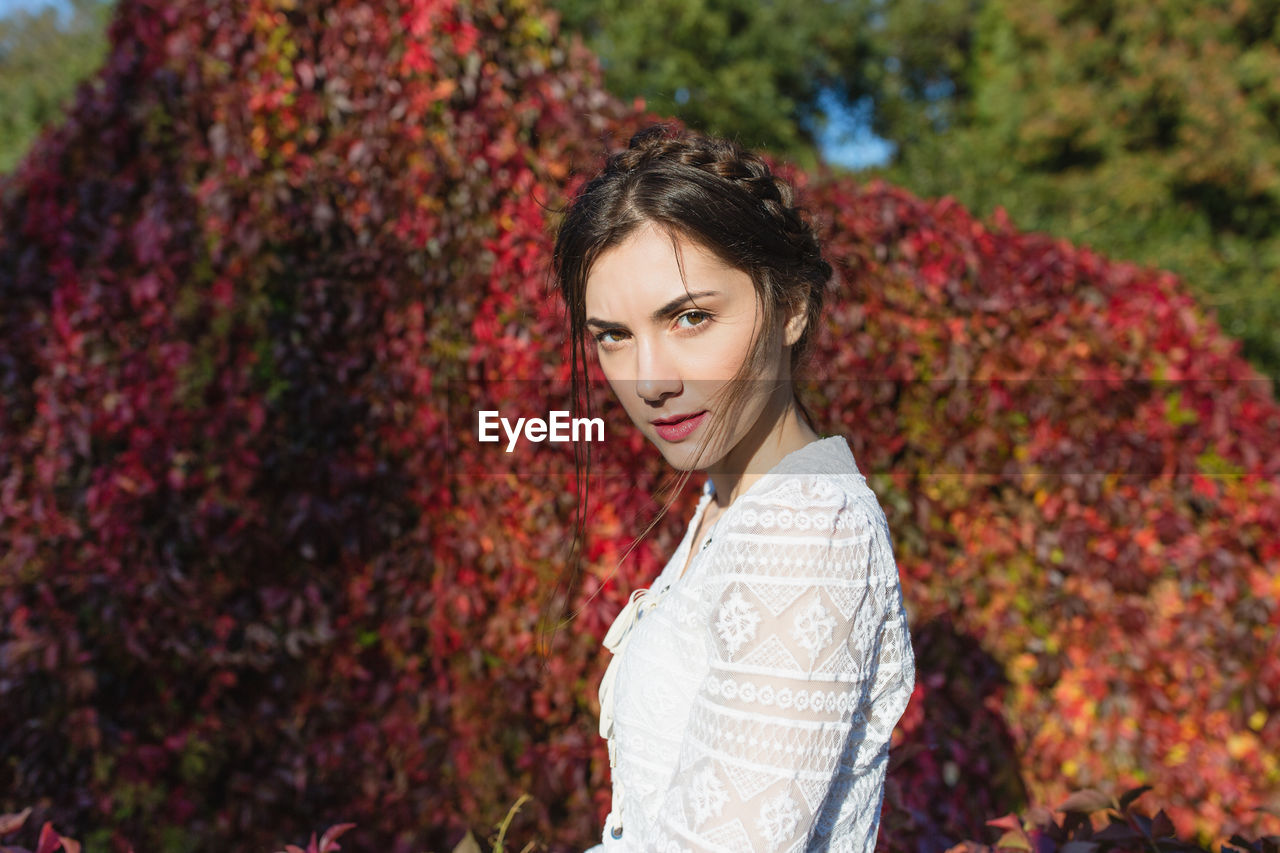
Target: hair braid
(737,167)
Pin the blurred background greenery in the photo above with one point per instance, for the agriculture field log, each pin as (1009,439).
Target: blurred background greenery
(45,53)
(1146,129)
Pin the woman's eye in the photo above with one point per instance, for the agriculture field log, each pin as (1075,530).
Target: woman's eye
(696,318)
(603,337)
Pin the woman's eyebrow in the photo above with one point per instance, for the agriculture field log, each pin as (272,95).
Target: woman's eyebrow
(660,314)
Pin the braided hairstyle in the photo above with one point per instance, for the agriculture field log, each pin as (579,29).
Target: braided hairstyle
(712,192)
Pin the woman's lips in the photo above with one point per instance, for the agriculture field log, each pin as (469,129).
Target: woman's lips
(680,430)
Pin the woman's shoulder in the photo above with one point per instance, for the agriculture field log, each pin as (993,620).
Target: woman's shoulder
(822,473)
(818,487)
(813,518)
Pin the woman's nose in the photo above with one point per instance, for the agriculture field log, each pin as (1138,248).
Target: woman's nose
(656,373)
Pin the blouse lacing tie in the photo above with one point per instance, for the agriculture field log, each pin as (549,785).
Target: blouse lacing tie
(639,603)
(615,641)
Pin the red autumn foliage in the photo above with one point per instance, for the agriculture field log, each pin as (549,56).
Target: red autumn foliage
(257,578)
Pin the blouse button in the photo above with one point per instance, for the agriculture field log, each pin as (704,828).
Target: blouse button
(616,832)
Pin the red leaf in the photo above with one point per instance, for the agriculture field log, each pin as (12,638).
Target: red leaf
(1203,486)
(329,841)
(1009,821)
(49,840)
(13,822)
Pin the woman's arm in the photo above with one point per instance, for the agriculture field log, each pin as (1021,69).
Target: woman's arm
(811,667)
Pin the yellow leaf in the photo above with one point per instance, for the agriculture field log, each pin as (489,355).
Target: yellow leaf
(1013,839)
(1240,744)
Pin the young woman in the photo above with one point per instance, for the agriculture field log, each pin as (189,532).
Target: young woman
(755,683)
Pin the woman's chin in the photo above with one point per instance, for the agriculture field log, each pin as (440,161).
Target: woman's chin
(684,456)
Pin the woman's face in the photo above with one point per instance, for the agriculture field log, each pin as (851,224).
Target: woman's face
(669,350)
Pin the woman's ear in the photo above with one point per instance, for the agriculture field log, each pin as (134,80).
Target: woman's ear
(797,319)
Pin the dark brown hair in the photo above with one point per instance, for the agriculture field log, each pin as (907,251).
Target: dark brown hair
(711,192)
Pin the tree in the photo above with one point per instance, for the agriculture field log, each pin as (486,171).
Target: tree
(42,61)
(1148,130)
(923,49)
(748,69)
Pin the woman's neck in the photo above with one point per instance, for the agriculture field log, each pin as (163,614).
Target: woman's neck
(735,476)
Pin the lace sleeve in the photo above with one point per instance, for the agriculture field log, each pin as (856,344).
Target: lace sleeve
(810,669)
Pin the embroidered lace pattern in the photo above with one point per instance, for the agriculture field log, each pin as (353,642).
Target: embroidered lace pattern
(756,695)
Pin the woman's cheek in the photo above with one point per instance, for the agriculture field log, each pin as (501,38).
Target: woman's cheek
(730,354)
(717,366)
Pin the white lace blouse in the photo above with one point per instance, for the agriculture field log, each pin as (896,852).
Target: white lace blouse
(751,701)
